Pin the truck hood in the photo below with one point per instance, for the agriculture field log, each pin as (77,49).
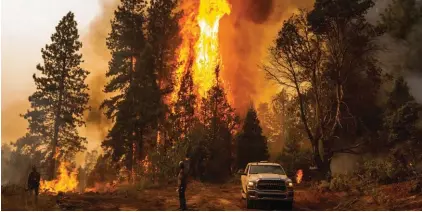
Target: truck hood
(269,176)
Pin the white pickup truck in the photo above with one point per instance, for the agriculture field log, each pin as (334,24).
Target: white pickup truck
(266,181)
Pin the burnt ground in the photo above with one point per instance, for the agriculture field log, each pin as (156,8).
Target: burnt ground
(215,197)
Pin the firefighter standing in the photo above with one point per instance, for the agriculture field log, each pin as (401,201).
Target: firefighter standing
(34,182)
(182,186)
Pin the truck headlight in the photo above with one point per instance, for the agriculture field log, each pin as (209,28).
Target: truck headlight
(251,184)
(289,184)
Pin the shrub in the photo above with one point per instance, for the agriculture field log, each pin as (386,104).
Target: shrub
(383,171)
(342,182)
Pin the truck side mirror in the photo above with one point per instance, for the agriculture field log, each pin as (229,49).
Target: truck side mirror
(241,172)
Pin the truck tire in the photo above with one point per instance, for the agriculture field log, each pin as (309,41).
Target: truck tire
(250,204)
(288,206)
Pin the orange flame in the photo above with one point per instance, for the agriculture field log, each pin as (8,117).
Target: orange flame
(65,182)
(200,40)
(299,175)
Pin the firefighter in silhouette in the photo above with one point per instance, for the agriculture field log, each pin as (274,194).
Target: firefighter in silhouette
(182,185)
(34,182)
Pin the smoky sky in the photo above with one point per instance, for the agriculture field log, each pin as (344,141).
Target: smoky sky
(245,36)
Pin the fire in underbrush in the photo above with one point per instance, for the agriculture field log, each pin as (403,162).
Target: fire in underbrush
(66,181)
(299,175)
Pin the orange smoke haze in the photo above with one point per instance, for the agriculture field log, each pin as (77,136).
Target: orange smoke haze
(245,36)
(96,57)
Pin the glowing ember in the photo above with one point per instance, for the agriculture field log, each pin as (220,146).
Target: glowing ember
(146,165)
(201,44)
(65,182)
(299,175)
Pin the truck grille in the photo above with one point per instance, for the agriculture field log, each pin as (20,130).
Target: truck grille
(271,185)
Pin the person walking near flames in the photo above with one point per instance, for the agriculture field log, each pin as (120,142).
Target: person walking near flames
(34,183)
(182,182)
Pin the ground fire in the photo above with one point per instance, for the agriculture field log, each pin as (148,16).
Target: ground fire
(65,182)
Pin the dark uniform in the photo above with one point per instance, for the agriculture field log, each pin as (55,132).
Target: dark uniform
(182,182)
(34,182)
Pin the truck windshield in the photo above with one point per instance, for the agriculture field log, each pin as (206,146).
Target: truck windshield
(266,169)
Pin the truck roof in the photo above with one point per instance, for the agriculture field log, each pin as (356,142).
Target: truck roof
(263,163)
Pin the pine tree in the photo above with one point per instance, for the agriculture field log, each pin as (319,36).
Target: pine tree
(251,144)
(183,117)
(126,42)
(149,103)
(220,122)
(58,104)
(402,115)
(163,35)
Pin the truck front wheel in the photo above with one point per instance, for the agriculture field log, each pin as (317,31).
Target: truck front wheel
(250,204)
(288,206)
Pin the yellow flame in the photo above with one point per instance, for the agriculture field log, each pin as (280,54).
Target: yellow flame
(200,42)
(65,182)
(207,46)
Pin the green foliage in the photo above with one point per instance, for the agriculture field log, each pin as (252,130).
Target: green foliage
(342,182)
(383,171)
(165,161)
(61,97)
(294,157)
(251,144)
(401,120)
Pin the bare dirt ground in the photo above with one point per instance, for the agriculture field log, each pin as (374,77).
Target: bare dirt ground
(215,197)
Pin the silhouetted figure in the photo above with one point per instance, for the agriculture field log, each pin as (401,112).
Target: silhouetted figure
(34,183)
(182,186)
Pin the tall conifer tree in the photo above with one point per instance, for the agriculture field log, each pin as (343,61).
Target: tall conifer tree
(251,144)
(58,104)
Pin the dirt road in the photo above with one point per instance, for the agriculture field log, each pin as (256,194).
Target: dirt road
(199,197)
(214,197)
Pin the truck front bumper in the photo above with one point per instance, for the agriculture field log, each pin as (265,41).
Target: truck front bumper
(271,195)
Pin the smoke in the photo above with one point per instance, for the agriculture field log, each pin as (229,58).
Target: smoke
(13,126)
(245,36)
(96,56)
(400,57)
